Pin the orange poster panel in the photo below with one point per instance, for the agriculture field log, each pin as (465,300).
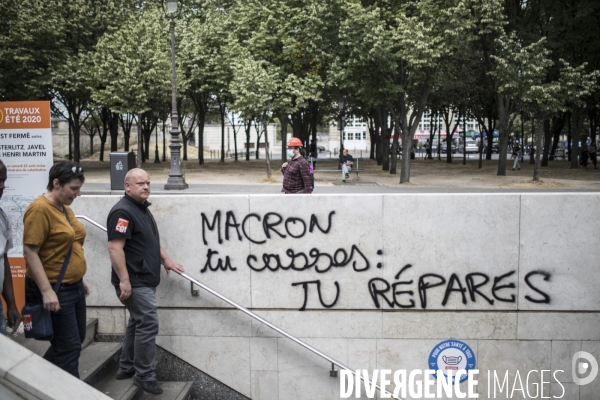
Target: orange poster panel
(17,268)
(25,115)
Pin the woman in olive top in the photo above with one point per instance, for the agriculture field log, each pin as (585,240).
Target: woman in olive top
(50,230)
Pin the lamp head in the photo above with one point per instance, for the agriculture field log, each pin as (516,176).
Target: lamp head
(341,103)
(172,6)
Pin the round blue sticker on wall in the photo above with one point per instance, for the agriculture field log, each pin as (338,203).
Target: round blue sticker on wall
(451,356)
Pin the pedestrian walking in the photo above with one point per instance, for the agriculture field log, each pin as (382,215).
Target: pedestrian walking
(296,171)
(136,257)
(53,248)
(516,153)
(592,152)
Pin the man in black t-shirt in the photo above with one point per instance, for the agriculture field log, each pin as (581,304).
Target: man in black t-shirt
(136,255)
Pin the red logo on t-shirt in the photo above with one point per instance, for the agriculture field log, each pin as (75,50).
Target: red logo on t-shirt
(122,225)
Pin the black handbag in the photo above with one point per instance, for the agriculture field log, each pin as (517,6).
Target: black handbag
(37,321)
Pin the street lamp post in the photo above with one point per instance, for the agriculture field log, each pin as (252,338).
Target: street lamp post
(341,123)
(176,180)
(156,157)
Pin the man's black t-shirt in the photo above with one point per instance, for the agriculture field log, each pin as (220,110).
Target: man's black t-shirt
(347,158)
(133,221)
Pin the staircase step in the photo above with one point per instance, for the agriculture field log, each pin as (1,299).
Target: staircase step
(90,331)
(94,360)
(126,390)
(118,390)
(172,391)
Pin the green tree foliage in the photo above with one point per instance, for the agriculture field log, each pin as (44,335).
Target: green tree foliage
(292,59)
(32,34)
(132,68)
(203,59)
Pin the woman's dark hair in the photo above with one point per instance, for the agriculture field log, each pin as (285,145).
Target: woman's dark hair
(302,151)
(64,171)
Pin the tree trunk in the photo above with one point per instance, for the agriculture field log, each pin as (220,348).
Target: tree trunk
(314,117)
(576,126)
(569,137)
(558,124)
(146,138)
(92,134)
(114,132)
(76,137)
(395,149)
(439,143)
(201,120)
(264,125)
(105,116)
(235,143)
(126,125)
(432,128)
(386,132)
(70,139)
(547,137)
(140,147)
(480,161)
(283,119)
(490,137)
(258,136)
(222,110)
(247,130)
(184,145)
(378,133)
(538,145)
(504,108)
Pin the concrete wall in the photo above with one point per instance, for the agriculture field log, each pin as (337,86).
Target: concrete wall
(538,253)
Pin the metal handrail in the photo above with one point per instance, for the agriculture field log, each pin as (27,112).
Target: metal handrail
(262,320)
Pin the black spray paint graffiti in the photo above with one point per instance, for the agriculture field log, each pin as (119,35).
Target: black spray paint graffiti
(340,258)
(318,283)
(394,296)
(219,266)
(401,294)
(294,227)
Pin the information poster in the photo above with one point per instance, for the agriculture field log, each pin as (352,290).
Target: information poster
(26,150)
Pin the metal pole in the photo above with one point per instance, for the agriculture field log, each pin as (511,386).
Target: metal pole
(176,180)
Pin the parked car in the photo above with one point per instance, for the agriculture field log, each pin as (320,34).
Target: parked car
(495,148)
(470,146)
(445,148)
(320,149)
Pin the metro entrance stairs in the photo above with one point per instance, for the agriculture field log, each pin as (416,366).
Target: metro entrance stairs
(98,367)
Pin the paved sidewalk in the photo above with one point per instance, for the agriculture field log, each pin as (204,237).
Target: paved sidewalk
(348,188)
